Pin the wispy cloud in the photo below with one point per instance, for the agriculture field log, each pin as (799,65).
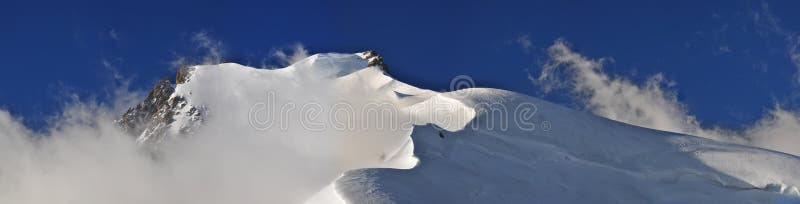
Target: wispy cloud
(178,61)
(206,50)
(617,98)
(653,104)
(725,49)
(213,49)
(296,53)
(113,34)
(110,67)
(120,90)
(764,18)
(524,41)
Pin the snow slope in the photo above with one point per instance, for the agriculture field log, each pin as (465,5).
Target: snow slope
(580,158)
(282,135)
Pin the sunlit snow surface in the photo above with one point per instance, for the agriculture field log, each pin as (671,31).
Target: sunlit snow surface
(581,158)
(289,111)
(269,137)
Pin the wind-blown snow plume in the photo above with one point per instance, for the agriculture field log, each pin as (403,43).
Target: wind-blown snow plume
(652,104)
(206,50)
(212,48)
(615,97)
(778,130)
(298,53)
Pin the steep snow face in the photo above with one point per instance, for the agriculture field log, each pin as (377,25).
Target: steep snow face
(568,156)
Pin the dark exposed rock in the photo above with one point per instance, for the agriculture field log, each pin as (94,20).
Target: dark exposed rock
(151,120)
(374,59)
(141,116)
(183,74)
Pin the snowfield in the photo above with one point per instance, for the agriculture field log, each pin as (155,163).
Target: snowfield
(333,129)
(581,158)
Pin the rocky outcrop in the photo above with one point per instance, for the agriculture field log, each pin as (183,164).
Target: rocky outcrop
(183,74)
(154,119)
(374,59)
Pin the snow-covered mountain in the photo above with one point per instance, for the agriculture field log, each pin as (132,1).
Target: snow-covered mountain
(395,143)
(165,113)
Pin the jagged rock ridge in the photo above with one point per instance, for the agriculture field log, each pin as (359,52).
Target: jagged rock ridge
(152,120)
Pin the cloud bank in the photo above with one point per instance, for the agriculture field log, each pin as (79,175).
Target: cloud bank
(652,104)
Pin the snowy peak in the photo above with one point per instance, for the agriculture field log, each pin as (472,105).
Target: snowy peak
(154,119)
(165,113)
(467,146)
(337,64)
(150,117)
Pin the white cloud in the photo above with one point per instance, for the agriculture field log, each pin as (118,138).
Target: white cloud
(725,49)
(106,63)
(616,98)
(524,41)
(778,130)
(81,154)
(208,51)
(178,62)
(298,52)
(651,104)
(212,48)
(113,34)
(111,68)
(119,90)
(764,18)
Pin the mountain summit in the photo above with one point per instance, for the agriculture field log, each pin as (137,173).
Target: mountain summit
(164,114)
(334,128)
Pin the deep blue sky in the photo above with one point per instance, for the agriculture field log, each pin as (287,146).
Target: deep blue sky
(52,48)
